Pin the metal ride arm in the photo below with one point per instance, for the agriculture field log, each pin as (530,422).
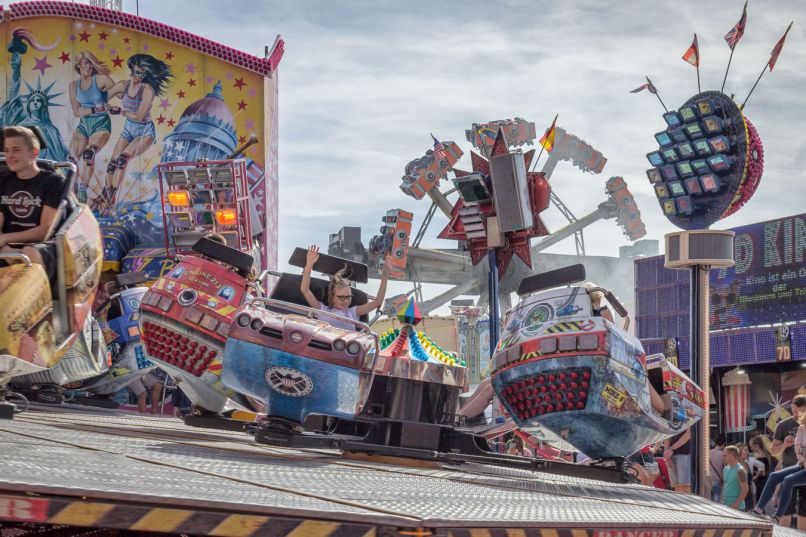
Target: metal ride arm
(25,259)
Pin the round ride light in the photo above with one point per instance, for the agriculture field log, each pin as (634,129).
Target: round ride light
(551,378)
(573,385)
(561,376)
(296,337)
(586,375)
(583,395)
(243,320)
(574,375)
(187,297)
(541,379)
(563,386)
(569,395)
(353,348)
(569,406)
(549,408)
(584,385)
(256,325)
(339,345)
(580,405)
(543,389)
(558,396)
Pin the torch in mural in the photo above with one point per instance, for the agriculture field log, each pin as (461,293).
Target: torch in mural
(31,110)
(149,78)
(737,400)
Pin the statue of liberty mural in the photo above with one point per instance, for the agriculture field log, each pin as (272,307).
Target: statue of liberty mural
(31,110)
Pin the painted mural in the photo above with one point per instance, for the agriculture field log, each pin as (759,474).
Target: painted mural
(117,95)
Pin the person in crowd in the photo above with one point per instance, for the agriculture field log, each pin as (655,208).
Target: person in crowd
(762,455)
(752,467)
(340,293)
(140,386)
(783,441)
(717,462)
(789,477)
(516,446)
(677,452)
(734,479)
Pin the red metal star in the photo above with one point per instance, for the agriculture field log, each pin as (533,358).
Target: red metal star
(160,120)
(169,55)
(117,61)
(84,36)
(191,82)
(242,105)
(180,94)
(171,122)
(65,57)
(102,36)
(239,83)
(242,139)
(516,242)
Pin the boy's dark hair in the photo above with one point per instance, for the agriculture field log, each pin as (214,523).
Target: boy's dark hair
(799,401)
(720,440)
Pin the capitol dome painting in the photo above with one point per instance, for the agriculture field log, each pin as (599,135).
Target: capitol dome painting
(206,130)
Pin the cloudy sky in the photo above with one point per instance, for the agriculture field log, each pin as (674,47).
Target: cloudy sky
(362,84)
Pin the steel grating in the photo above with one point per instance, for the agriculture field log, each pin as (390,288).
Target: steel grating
(147,459)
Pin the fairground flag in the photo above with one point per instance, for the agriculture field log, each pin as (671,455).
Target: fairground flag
(547,141)
(736,33)
(777,50)
(692,55)
(439,149)
(648,86)
(485,132)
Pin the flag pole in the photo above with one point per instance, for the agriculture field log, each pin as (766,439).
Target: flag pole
(721,90)
(754,86)
(699,89)
(651,85)
(542,147)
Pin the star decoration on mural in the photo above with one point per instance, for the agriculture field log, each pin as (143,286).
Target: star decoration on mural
(164,104)
(117,61)
(517,242)
(230,76)
(102,36)
(241,139)
(242,105)
(84,36)
(101,46)
(180,94)
(209,79)
(249,125)
(239,83)
(191,83)
(171,123)
(160,119)
(65,57)
(126,40)
(145,46)
(41,64)
(251,92)
(190,68)
(72,37)
(113,51)
(169,55)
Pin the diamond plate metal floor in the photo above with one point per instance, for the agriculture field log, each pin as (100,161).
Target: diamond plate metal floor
(109,455)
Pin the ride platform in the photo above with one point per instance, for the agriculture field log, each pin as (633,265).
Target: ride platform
(67,467)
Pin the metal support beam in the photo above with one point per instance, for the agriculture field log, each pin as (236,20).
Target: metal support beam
(701,375)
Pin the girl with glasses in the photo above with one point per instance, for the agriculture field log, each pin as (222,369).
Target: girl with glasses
(340,293)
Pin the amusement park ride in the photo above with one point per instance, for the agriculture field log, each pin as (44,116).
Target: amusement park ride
(231,344)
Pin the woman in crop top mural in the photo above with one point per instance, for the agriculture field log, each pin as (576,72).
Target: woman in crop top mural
(149,78)
(89,101)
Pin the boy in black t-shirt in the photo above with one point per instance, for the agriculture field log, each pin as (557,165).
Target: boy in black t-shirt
(29,200)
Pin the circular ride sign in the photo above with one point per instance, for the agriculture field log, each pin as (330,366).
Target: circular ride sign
(709,161)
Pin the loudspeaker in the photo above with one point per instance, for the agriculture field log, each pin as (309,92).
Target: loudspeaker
(699,247)
(511,192)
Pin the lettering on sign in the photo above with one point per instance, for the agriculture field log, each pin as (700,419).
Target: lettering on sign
(613,395)
(24,510)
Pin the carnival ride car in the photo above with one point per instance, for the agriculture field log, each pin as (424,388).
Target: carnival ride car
(118,316)
(424,173)
(582,377)
(185,319)
(393,241)
(48,336)
(518,131)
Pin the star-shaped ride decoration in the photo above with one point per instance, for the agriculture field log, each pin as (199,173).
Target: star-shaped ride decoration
(515,242)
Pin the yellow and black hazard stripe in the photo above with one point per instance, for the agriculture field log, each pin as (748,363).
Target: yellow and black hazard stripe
(98,514)
(569,326)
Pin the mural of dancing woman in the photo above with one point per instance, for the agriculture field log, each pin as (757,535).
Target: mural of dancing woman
(88,99)
(149,77)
